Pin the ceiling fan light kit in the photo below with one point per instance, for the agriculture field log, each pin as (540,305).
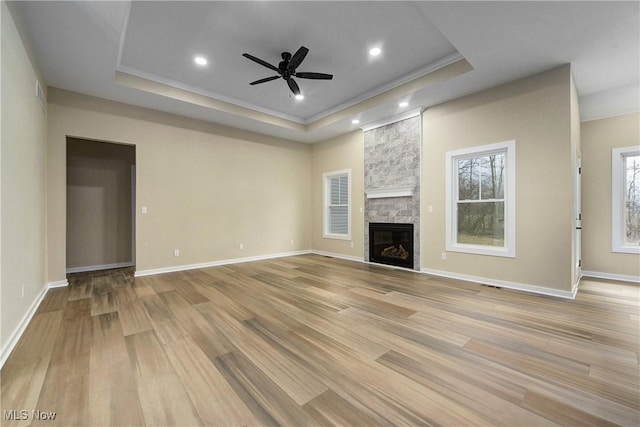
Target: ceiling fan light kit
(287,70)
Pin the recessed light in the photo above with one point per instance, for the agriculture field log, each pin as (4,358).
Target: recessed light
(299,97)
(355,121)
(200,60)
(403,104)
(375,51)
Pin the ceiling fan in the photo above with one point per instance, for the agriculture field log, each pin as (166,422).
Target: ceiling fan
(287,69)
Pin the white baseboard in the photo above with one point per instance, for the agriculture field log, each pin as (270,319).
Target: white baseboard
(336,255)
(505,284)
(58,284)
(99,267)
(216,263)
(611,276)
(17,333)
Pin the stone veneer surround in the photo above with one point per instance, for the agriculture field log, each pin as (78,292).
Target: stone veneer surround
(392,159)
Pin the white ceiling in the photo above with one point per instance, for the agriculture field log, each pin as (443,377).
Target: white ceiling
(140,52)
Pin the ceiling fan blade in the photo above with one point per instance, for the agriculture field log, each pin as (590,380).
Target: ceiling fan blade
(293,86)
(261,62)
(297,58)
(267,79)
(316,76)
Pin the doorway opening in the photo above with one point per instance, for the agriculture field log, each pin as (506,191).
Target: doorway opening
(100,205)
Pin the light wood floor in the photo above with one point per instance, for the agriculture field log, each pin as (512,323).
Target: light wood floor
(309,340)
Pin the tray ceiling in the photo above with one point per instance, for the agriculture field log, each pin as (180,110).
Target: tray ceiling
(142,53)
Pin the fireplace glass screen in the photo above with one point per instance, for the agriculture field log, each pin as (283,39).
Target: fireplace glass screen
(391,244)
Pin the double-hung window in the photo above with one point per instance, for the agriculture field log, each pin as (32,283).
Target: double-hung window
(337,205)
(481,200)
(625,199)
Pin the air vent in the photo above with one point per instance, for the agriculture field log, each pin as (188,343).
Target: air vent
(41,96)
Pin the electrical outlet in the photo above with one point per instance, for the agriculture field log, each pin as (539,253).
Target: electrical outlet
(22,290)
(176,252)
(351,244)
(444,256)
(291,242)
(241,246)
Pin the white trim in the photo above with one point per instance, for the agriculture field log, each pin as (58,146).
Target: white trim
(41,96)
(123,34)
(509,248)
(610,116)
(19,330)
(337,255)
(618,199)
(99,267)
(428,69)
(125,69)
(504,284)
(58,284)
(387,192)
(611,276)
(325,205)
(175,268)
(393,119)
(391,267)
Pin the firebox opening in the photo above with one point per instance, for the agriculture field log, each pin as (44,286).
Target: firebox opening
(391,244)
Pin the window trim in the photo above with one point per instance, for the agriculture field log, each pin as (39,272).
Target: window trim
(509,248)
(326,201)
(618,199)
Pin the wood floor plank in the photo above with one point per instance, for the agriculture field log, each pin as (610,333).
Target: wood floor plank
(562,413)
(329,409)
(134,318)
(270,404)
(471,396)
(103,297)
(212,397)
(388,397)
(142,286)
(65,390)
(113,395)
(163,398)
(290,376)
(196,326)
(550,366)
(55,299)
(24,372)
(162,319)
(314,340)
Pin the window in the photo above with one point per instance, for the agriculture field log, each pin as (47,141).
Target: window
(481,184)
(625,200)
(337,205)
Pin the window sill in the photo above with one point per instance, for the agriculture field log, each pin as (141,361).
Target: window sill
(337,236)
(483,250)
(626,250)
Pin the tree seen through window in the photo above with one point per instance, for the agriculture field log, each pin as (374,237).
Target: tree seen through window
(481,201)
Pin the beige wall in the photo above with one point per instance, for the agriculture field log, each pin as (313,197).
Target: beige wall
(23,168)
(207,188)
(343,152)
(599,137)
(99,206)
(536,113)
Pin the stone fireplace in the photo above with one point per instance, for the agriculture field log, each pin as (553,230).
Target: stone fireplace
(392,183)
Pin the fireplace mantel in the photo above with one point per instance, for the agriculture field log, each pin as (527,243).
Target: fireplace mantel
(386,192)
